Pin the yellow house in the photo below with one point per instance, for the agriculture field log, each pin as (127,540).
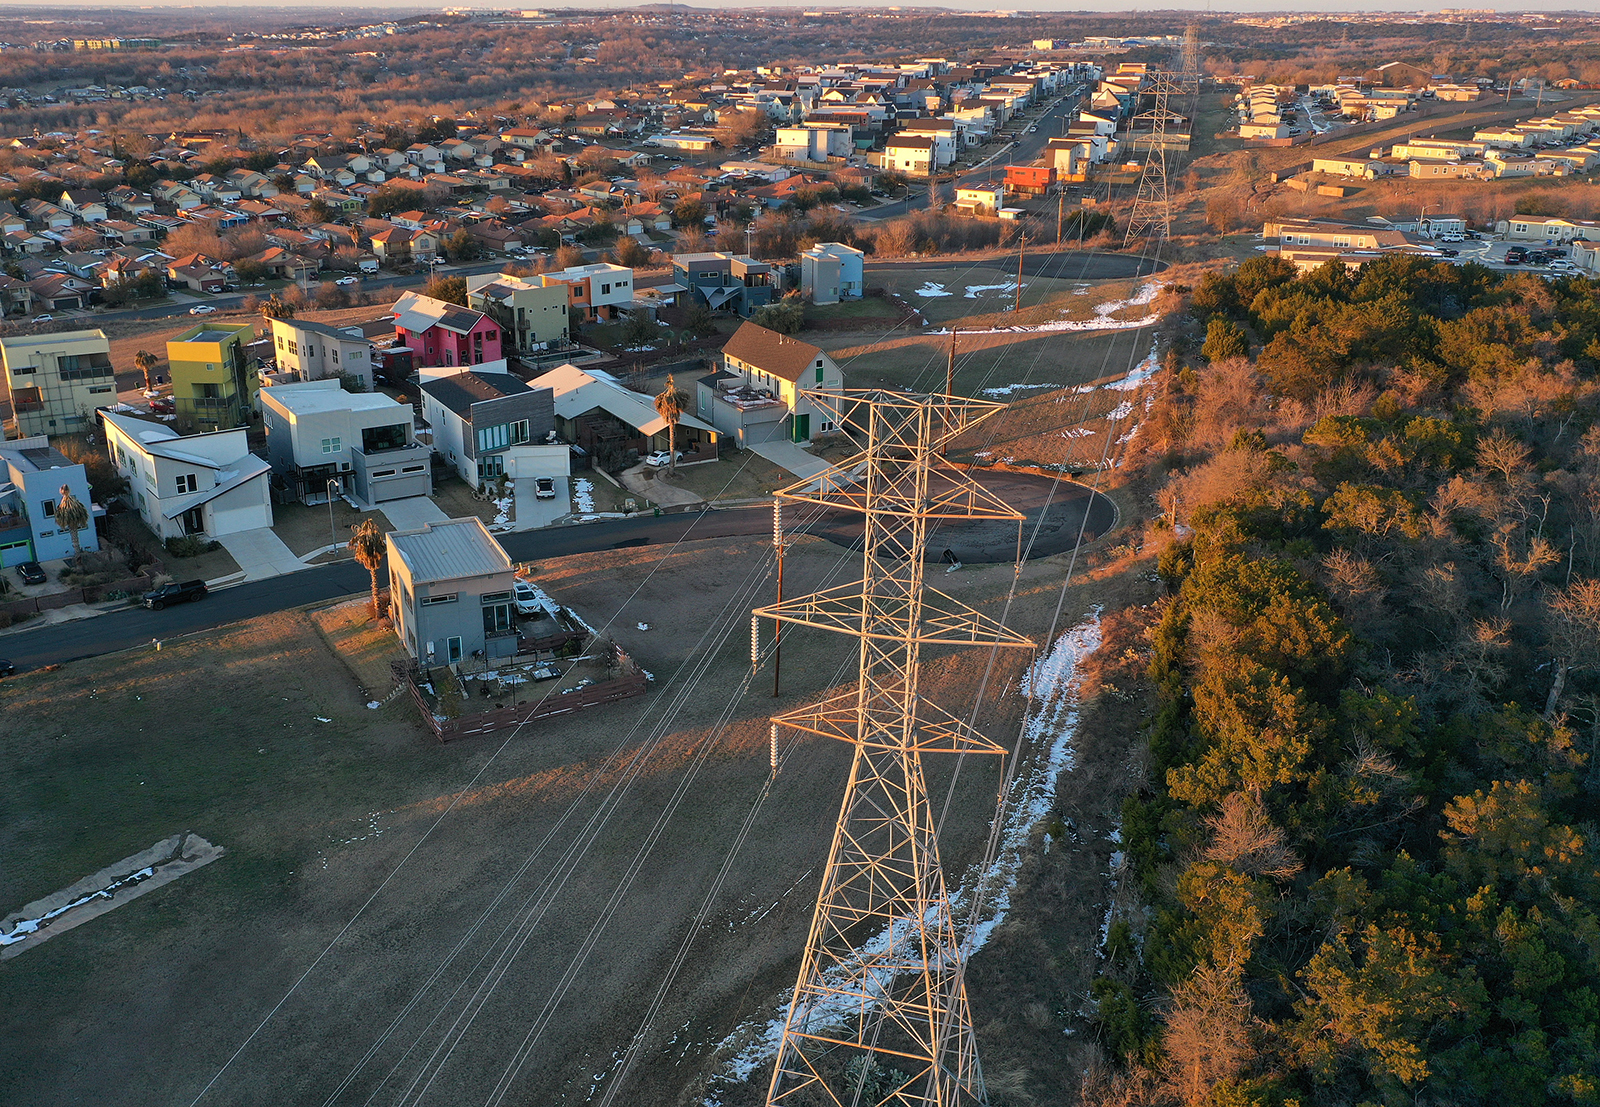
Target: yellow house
(213,386)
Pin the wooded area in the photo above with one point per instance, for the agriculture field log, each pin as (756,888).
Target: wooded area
(1364,842)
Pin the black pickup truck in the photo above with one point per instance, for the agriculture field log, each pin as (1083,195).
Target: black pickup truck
(169,594)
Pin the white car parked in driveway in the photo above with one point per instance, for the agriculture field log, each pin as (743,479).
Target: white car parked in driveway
(526,599)
(661,459)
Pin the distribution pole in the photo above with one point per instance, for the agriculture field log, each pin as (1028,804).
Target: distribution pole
(778,544)
(1022,245)
(1061,208)
(949,382)
(880,1016)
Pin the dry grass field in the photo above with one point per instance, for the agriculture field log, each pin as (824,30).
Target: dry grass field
(533,886)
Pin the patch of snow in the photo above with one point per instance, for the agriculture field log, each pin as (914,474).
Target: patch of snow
(1008,389)
(930,289)
(1135,378)
(975,290)
(373,705)
(643,626)
(583,494)
(26,927)
(1121,411)
(320,719)
(503,512)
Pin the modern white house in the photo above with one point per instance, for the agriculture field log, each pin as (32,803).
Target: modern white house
(316,351)
(832,271)
(362,443)
(202,484)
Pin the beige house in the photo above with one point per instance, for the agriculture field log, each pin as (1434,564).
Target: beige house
(531,314)
(56,381)
(1547,228)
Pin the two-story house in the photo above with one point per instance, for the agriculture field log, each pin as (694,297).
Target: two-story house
(595,291)
(832,271)
(531,315)
(725,282)
(32,474)
(758,395)
(441,333)
(201,484)
(57,380)
(213,382)
(450,592)
(488,424)
(322,440)
(315,351)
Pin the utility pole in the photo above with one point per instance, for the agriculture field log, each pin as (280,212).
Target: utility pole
(949,383)
(778,544)
(1061,208)
(901,1003)
(1022,245)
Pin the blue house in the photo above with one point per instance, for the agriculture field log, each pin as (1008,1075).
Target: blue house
(31,475)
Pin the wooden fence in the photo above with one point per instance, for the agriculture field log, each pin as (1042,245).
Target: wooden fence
(505,717)
(32,605)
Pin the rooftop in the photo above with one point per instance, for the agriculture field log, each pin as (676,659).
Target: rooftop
(771,352)
(450,550)
(461,391)
(297,399)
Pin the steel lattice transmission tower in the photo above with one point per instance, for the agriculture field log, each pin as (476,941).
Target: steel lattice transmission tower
(880,1014)
(1152,204)
(1189,72)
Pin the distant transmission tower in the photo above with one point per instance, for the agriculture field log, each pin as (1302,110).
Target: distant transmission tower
(880,1014)
(1189,73)
(1152,204)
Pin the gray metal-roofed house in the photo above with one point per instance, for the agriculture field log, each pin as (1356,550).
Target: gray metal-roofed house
(450,592)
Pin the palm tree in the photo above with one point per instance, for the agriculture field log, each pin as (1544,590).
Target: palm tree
(670,406)
(367,544)
(72,516)
(145,362)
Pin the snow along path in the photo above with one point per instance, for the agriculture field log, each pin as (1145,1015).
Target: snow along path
(1102,320)
(1053,684)
(94,895)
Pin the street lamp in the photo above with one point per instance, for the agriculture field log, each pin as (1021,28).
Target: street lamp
(748,232)
(333,486)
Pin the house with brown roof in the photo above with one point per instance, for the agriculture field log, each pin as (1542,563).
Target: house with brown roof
(760,392)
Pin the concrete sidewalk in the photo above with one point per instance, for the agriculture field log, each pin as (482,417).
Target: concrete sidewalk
(789,456)
(261,553)
(412,513)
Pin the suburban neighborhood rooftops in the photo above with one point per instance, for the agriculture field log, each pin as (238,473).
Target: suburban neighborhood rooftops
(39,458)
(578,392)
(451,550)
(771,352)
(348,334)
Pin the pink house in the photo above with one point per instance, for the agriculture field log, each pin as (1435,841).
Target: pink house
(442,333)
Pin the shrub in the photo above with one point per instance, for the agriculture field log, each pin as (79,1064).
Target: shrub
(190,545)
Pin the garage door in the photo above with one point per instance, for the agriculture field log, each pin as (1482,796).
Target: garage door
(757,433)
(15,553)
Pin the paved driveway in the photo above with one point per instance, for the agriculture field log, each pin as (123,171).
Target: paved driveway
(261,554)
(791,457)
(412,512)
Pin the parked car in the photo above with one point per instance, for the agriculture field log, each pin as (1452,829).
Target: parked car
(6,668)
(661,458)
(544,488)
(1448,252)
(348,280)
(545,672)
(163,405)
(169,594)
(46,318)
(526,599)
(31,572)
(202,309)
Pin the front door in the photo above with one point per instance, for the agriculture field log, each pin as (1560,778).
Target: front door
(802,427)
(194,520)
(452,650)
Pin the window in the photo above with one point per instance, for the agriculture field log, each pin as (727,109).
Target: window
(443,597)
(49,507)
(101,388)
(336,356)
(452,649)
(187,483)
(494,438)
(491,467)
(413,468)
(604,289)
(494,597)
(381,473)
(280,342)
(519,432)
(490,336)
(331,445)
(819,372)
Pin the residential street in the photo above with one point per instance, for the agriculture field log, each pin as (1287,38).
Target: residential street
(126,629)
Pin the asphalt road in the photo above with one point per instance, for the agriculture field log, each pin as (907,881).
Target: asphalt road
(1061,505)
